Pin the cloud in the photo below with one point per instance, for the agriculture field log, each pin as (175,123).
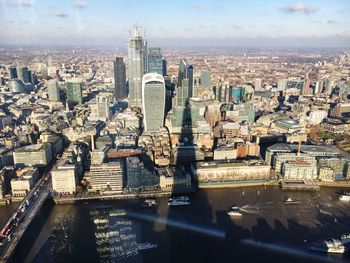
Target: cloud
(80,4)
(198,6)
(332,22)
(299,8)
(60,15)
(201,26)
(25,3)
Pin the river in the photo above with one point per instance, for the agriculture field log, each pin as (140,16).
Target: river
(201,232)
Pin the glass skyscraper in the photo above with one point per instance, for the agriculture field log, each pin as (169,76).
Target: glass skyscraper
(23,74)
(119,79)
(155,63)
(136,50)
(53,90)
(153,101)
(13,72)
(184,83)
(74,92)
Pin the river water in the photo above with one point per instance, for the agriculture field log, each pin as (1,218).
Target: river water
(201,232)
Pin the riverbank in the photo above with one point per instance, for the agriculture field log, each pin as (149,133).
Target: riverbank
(236,184)
(69,200)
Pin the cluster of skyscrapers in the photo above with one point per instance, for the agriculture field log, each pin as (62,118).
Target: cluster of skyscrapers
(145,87)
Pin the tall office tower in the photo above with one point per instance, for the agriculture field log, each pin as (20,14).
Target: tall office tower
(33,78)
(53,90)
(155,64)
(23,74)
(319,87)
(13,72)
(135,68)
(329,86)
(102,107)
(205,79)
(258,84)
(74,92)
(153,101)
(119,79)
(164,67)
(184,83)
(282,84)
(145,56)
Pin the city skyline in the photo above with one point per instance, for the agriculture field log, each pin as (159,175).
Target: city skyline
(194,23)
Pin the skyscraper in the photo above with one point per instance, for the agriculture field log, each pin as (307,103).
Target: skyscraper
(53,90)
(153,101)
(136,66)
(184,83)
(74,92)
(145,56)
(164,67)
(102,107)
(155,64)
(23,74)
(119,79)
(282,84)
(13,72)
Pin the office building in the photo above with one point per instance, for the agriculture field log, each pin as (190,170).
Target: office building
(164,67)
(119,79)
(64,178)
(33,155)
(184,83)
(53,90)
(74,92)
(106,177)
(205,79)
(102,107)
(258,84)
(23,74)
(13,72)
(24,181)
(155,63)
(136,51)
(299,170)
(282,84)
(153,101)
(17,86)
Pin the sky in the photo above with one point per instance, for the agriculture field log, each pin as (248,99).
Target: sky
(181,23)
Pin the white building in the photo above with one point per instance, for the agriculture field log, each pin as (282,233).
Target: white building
(64,179)
(24,182)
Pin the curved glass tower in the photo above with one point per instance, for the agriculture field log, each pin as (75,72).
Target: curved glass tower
(153,101)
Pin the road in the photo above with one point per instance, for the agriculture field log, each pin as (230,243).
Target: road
(15,227)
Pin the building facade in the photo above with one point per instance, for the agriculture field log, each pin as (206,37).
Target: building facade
(136,67)
(74,92)
(184,83)
(53,90)
(153,101)
(119,79)
(155,64)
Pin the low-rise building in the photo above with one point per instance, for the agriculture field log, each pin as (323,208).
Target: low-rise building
(33,155)
(106,178)
(24,182)
(64,178)
(233,171)
(299,170)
